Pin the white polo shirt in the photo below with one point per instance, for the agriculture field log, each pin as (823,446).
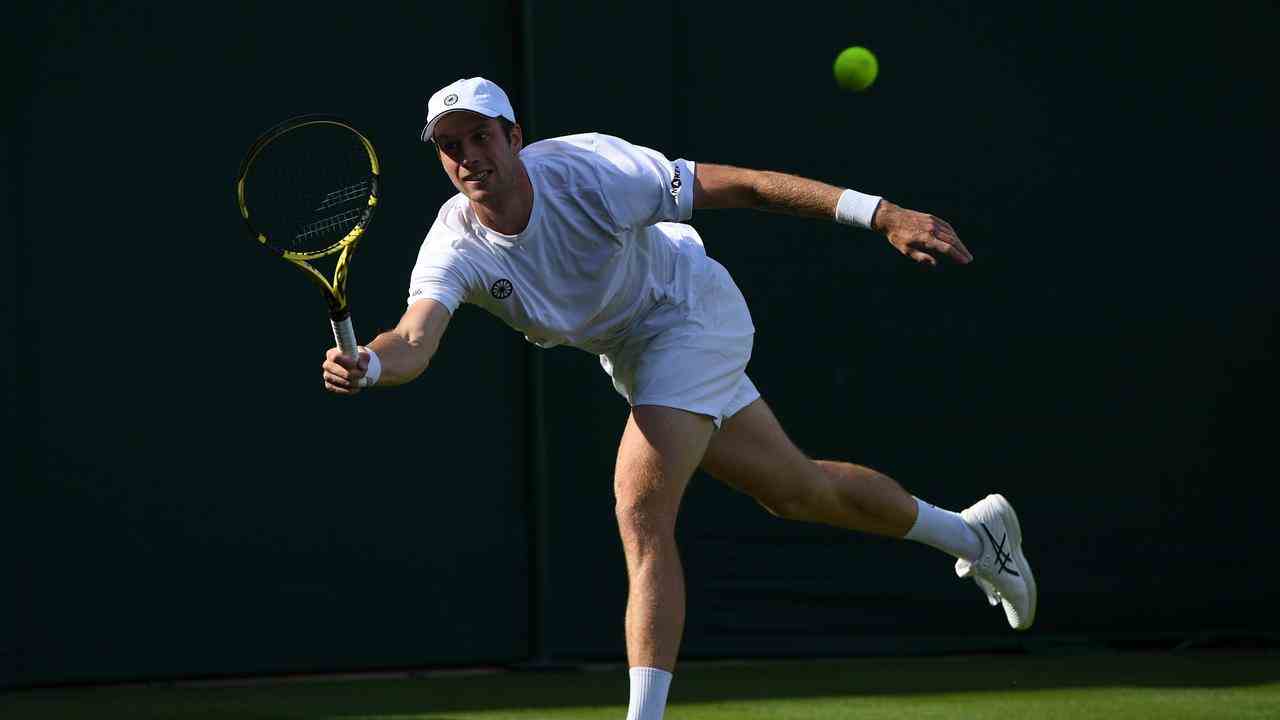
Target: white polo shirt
(604,245)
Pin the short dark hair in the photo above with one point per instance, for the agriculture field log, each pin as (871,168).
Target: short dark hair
(506,126)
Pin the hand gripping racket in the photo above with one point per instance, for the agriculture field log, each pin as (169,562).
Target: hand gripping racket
(307,189)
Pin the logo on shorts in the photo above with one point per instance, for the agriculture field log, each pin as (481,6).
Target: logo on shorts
(502,289)
(450,99)
(676,182)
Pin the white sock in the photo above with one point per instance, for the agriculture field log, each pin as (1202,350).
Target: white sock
(946,531)
(648,693)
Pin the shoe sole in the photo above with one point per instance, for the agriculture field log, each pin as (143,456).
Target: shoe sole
(1015,529)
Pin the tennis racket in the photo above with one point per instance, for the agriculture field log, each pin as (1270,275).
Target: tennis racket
(307,190)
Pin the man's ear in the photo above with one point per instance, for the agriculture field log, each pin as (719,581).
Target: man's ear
(516,137)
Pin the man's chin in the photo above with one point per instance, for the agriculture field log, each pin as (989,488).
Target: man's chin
(478,191)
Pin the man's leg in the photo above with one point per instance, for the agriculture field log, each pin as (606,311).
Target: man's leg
(753,454)
(660,449)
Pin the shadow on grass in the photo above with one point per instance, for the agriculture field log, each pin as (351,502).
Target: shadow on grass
(695,682)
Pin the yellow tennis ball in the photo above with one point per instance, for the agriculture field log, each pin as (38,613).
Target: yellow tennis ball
(856,68)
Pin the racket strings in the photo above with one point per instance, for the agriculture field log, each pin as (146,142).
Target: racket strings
(360,189)
(309,188)
(319,232)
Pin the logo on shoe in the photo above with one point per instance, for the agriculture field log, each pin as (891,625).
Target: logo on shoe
(1003,557)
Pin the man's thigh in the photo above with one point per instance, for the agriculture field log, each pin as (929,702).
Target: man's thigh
(752,453)
(660,449)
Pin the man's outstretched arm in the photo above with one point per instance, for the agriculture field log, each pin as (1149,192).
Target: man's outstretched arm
(919,236)
(401,354)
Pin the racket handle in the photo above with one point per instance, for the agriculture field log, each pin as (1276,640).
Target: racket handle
(345,335)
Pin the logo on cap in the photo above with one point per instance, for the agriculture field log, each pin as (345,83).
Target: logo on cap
(451,99)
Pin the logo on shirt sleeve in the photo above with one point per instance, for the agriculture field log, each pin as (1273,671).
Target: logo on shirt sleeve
(676,182)
(501,289)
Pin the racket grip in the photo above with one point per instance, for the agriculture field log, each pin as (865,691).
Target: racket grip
(345,335)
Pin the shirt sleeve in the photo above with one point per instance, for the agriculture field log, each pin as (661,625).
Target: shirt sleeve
(641,186)
(441,273)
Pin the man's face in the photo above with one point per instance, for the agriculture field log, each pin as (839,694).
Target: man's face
(477,155)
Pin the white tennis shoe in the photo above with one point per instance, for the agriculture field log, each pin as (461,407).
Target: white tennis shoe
(1003,573)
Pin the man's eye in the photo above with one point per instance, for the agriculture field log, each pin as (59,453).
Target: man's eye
(449,146)
(482,136)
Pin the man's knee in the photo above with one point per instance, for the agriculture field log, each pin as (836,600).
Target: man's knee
(793,492)
(644,529)
(643,508)
(789,500)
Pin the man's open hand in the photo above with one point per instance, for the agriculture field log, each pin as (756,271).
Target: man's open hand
(921,237)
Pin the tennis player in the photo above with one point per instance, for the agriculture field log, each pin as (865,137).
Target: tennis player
(582,240)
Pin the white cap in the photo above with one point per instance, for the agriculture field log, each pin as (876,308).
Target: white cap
(475,94)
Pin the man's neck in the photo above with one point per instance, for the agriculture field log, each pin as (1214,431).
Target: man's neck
(508,214)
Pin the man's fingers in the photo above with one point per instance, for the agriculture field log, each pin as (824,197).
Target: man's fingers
(942,244)
(339,386)
(949,235)
(923,238)
(929,245)
(962,253)
(953,250)
(339,373)
(342,373)
(922,257)
(340,390)
(941,230)
(335,355)
(336,370)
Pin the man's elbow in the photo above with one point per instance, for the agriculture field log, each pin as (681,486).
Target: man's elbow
(421,349)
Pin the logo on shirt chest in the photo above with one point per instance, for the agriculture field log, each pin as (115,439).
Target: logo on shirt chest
(501,289)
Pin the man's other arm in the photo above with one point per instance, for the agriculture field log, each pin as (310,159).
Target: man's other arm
(919,236)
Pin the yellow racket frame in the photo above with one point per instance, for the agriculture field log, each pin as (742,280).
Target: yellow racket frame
(335,291)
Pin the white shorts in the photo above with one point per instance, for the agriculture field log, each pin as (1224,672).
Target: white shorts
(692,355)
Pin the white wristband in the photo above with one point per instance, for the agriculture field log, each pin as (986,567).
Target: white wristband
(375,369)
(855,208)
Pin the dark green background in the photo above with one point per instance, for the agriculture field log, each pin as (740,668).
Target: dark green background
(186,501)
